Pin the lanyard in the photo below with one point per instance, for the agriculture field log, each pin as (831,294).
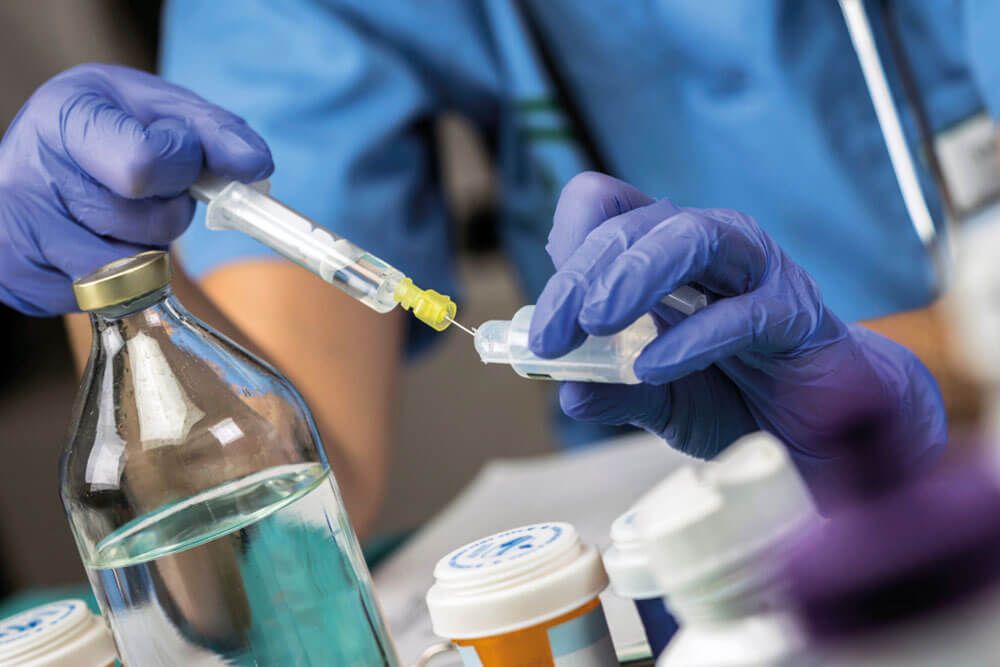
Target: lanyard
(900,156)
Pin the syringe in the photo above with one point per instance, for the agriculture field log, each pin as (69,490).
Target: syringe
(377,284)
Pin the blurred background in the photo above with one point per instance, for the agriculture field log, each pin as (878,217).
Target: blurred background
(500,414)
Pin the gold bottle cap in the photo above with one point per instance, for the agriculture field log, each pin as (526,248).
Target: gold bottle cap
(123,280)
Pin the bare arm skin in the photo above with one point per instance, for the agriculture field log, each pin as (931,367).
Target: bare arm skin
(342,357)
(926,332)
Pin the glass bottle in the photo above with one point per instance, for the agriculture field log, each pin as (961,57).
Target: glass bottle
(200,497)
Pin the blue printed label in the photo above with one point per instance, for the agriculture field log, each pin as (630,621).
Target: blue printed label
(505,547)
(469,656)
(583,641)
(35,621)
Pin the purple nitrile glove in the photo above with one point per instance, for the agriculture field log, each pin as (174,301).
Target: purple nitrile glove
(96,166)
(765,354)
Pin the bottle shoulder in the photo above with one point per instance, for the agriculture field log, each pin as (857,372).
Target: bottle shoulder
(168,410)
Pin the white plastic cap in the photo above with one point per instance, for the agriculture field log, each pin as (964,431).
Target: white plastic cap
(61,634)
(724,513)
(513,580)
(626,560)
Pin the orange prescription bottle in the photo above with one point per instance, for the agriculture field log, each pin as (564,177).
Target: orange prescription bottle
(526,597)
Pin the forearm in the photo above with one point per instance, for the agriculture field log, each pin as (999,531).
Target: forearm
(340,355)
(927,333)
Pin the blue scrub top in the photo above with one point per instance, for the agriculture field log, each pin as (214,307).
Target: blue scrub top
(757,105)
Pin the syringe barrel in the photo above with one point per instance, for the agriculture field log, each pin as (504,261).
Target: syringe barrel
(336,260)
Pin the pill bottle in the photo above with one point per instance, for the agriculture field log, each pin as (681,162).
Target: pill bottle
(632,578)
(61,634)
(713,543)
(527,596)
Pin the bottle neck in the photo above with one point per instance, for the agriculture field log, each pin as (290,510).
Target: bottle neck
(158,303)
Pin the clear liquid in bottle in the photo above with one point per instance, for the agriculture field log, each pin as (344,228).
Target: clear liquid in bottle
(229,576)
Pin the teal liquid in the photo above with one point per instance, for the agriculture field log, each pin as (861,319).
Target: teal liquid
(262,571)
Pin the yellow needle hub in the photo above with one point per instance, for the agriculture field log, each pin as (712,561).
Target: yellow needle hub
(434,309)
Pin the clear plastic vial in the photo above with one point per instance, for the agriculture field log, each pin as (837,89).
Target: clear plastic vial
(598,359)
(201,501)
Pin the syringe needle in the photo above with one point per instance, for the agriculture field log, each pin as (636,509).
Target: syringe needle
(471,331)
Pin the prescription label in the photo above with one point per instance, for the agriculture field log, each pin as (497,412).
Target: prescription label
(578,639)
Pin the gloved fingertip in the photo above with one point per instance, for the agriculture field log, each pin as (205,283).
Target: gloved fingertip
(607,304)
(554,329)
(537,344)
(595,320)
(651,369)
(538,335)
(551,340)
(241,139)
(242,154)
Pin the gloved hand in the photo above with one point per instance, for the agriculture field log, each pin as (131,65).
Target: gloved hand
(764,355)
(95,167)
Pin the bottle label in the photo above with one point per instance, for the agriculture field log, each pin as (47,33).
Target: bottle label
(36,621)
(577,639)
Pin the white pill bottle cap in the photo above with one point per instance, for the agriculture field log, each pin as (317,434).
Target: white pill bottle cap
(710,546)
(627,560)
(513,580)
(61,634)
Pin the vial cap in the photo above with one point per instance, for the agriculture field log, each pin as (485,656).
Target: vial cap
(626,559)
(61,634)
(491,342)
(123,280)
(724,514)
(513,579)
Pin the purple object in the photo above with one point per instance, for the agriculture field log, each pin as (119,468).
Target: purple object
(929,544)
